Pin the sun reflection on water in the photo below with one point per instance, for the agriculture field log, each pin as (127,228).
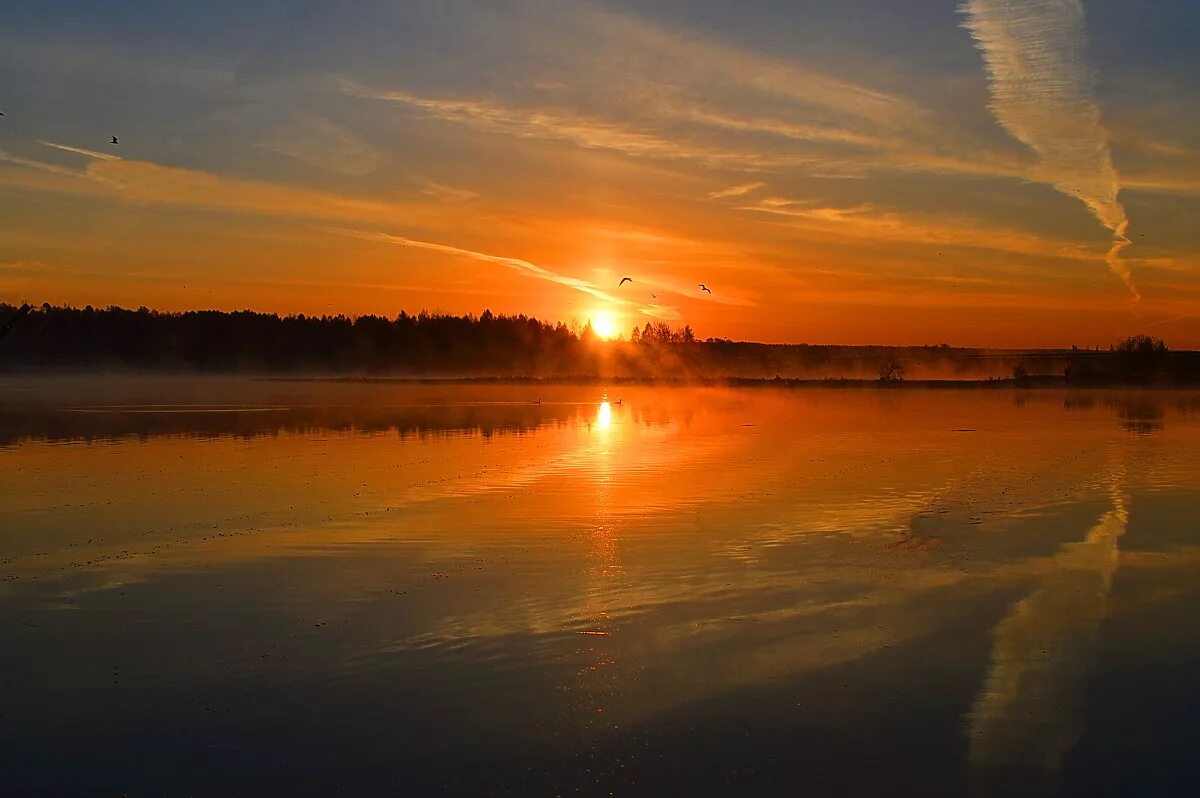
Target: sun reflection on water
(598,678)
(604,415)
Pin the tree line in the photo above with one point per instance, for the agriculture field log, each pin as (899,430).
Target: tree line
(494,345)
(247,341)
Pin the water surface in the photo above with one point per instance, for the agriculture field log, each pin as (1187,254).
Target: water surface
(219,587)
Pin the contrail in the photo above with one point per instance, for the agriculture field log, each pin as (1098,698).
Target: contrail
(516,264)
(99,156)
(1041,94)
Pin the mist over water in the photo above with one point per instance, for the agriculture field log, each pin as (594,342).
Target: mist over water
(300,588)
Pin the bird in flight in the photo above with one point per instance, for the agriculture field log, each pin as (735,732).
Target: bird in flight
(114,141)
(654,296)
(624,280)
(705,288)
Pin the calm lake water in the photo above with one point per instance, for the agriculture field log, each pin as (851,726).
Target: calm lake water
(223,587)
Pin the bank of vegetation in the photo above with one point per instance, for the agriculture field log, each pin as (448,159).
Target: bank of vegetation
(56,338)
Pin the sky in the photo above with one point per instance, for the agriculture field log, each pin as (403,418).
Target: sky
(971,172)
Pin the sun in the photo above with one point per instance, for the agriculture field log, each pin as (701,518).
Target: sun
(604,325)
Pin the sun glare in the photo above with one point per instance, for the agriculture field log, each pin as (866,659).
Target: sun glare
(604,325)
(604,415)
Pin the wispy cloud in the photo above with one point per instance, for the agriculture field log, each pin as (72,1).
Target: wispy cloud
(713,65)
(1041,94)
(661,312)
(656,135)
(1172,319)
(822,122)
(440,191)
(41,166)
(776,127)
(736,191)
(1169,183)
(867,222)
(99,156)
(516,264)
(316,141)
(721,106)
(564,125)
(149,183)
(21,266)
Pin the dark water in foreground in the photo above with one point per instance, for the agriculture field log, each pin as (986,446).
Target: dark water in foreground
(260,589)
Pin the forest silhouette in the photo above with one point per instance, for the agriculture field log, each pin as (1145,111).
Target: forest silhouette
(59,338)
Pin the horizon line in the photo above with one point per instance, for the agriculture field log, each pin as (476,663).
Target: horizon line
(575,328)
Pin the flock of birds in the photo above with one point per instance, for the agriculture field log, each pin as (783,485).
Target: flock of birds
(704,288)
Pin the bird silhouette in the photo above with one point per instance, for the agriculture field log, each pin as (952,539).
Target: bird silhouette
(654,296)
(704,287)
(624,280)
(114,141)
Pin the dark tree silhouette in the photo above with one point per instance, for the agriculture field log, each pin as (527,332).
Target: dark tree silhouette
(10,320)
(1142,357)
(891,370)
(492,345)
(1137,360)
(244,341)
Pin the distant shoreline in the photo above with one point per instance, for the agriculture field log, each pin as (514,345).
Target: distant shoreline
(494,348)
(1029,383)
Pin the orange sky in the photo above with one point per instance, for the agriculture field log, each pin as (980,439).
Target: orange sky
(462,159)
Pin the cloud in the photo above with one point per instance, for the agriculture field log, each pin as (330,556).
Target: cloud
(1182,185)
(448,193)
(673,78)
(1172,320)
(150,183)
(564,125)
(99,156)
(1041,94)
(639,48)
(516,264)
(777,127)
(782,202)
(640,137)
(144,181)
(723,107)
(869,223)
(318,142)
(661,312)
(22,266)
(41,166)
(736,191)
